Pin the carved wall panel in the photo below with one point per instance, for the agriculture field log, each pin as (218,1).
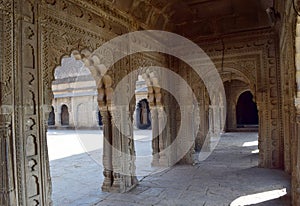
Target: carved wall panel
(288,30)
(7,62)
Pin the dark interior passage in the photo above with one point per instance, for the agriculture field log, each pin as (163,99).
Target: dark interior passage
(64,115)
(99,119)
(51,119)
(143,115)
(246,110)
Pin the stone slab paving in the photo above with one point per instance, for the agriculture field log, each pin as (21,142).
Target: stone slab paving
(76,164)
(229,173)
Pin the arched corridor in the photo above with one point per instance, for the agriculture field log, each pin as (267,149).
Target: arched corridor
(205,64)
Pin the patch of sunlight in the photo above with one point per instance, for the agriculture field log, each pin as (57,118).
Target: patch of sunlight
(255,151)
(259,197)
(68,143)
(250,144)
(142,137)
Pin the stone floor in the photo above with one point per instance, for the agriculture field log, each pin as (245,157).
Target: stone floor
(229,176)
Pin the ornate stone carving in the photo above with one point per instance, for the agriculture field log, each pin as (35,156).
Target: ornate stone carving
(28,59)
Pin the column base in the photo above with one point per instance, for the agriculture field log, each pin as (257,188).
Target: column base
(121,185)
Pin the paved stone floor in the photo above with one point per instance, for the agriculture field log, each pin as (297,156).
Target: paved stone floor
(229,176)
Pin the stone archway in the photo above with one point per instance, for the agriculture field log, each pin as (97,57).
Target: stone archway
(64,115)
(51,119)
(246,111)
(234,88)
(143,115)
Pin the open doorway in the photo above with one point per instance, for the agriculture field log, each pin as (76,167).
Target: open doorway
(143,115)
(74,137)
(142,129)
(51,119)
(246,111)
(64,115)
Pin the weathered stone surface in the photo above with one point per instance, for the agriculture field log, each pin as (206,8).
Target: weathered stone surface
(244,43)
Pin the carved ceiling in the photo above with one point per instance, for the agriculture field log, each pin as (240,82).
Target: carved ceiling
(198,18)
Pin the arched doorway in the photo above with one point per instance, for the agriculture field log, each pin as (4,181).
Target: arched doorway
(51,119)
(143,115)
(246,111)
(64,115)
(75,96)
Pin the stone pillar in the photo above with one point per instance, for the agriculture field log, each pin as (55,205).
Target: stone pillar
(187,139)
(72,114)
(155,138)
(211,121)
(31,109)
(222,118)
(117,156)
(200,135)
(107,149)
(118,148)
(163,156)
(56,112)
(7,190)
(296,159)
(123,153)
(261,124)
(231,115)
(217,120)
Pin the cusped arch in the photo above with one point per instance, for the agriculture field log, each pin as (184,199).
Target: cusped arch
(241,92)
(143,119)
(229,74)
(50,66)
(64,115)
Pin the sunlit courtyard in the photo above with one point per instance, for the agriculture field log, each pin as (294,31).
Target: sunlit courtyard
(229,176)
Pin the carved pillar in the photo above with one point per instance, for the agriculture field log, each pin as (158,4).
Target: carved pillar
(123,153)
(211,120)
(187,138)
(107,149)
(117,150)
(163,157)
(7,190)
(200,136)
(261,140)
(32,163)
(296,159)
(155,137)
